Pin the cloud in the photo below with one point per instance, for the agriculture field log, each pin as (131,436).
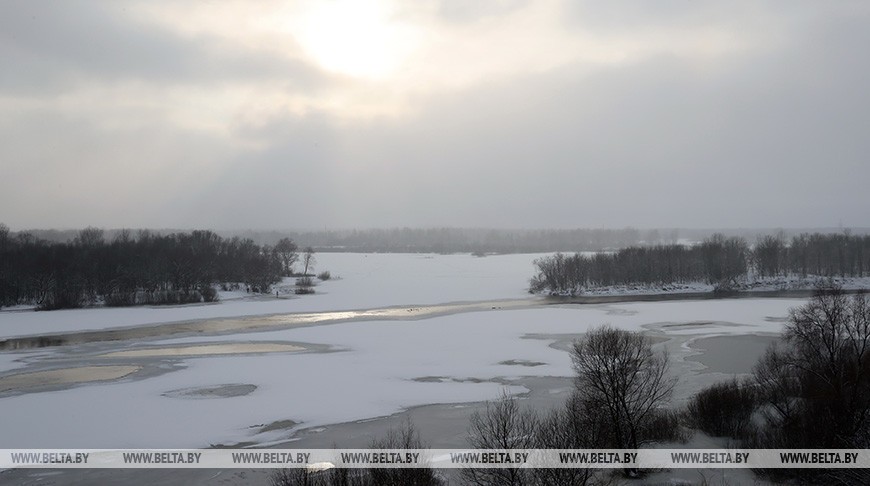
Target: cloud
(464,12)
(766,131)
(658,143)
(56,46)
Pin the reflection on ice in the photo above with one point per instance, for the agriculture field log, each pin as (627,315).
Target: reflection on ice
(205,350)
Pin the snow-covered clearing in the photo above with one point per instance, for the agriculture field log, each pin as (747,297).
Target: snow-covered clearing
(360,281)
(381,367)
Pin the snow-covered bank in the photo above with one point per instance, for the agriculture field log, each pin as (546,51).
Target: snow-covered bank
(768,284)
(364,281)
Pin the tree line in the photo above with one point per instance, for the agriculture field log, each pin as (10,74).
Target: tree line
(435,240)
(144,268)
(488,240)
(718,260)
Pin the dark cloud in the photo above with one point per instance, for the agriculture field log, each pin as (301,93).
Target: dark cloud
(55,45)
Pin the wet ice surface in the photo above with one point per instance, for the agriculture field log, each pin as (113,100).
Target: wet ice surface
(731,354)
(215,391)
(204,349)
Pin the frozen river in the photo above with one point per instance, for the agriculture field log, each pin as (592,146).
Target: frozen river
(275,380)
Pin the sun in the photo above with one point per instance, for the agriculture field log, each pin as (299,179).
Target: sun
(354,37)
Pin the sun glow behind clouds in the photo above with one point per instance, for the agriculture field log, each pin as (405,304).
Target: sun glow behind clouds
(379,58)
(356,38)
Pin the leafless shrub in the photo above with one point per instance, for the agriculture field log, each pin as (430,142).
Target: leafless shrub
(576,425)
(502,425)
(723,409)
(304,285)
(405,437)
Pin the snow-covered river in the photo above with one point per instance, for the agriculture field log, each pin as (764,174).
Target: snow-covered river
(264,384)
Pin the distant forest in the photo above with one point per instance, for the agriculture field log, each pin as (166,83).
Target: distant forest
(472,240)
(65,269)
(129,269)
(719,260)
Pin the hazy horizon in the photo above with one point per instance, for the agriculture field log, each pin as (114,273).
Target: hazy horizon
(516,114)
(822,229)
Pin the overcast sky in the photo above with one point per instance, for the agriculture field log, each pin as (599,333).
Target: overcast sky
(374,113)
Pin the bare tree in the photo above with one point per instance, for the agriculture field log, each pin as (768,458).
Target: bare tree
(723,409)
(296,477)
(8,291)
(769,255)
(89,237)
(405,437)
(502,425)
(619,371)
(576,425)
(330,477)
(779,405)
(308,260)
(724,259)
(287,252)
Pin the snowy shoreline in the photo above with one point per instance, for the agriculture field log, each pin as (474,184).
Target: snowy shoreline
(276,320)
(757,287)
(372,282)
(255,322)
